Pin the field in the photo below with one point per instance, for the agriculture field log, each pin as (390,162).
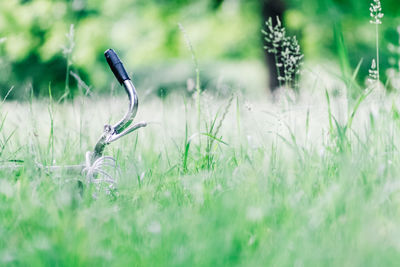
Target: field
(232,182)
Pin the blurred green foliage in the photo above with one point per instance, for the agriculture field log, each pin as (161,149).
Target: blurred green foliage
(145,33)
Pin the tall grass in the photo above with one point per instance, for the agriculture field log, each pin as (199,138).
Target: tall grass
(293,185)
(330,200)
(67,51)
(197,70)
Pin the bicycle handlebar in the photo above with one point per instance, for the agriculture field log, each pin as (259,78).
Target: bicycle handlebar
(123,127)
(116,66)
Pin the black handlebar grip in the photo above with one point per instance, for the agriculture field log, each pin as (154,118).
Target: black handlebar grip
(116,66)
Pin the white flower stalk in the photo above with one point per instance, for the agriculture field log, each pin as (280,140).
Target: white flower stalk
(376,12)
(274,37)
(286,49)
(373,73)
(292,60)
(376,18)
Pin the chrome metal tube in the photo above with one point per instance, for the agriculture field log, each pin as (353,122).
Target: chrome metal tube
(132,108)
(123,127)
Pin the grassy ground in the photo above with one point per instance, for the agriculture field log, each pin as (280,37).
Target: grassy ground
(277,185)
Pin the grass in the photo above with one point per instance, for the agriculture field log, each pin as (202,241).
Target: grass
(272,185)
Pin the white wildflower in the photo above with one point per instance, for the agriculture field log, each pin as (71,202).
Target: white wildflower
(373,72)
(287,53)
(376,12)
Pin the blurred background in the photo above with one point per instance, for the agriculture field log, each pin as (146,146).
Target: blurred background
(60,42)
